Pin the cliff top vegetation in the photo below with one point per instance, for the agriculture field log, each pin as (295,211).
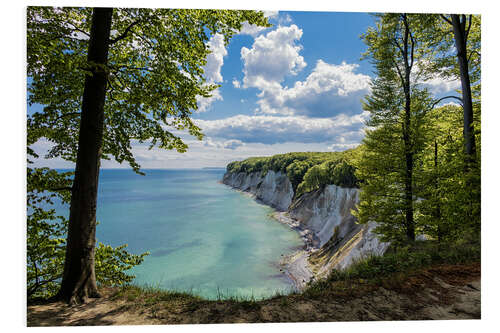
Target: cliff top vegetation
(307,171)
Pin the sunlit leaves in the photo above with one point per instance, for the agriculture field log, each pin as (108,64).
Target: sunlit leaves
(112,264)
(155,74)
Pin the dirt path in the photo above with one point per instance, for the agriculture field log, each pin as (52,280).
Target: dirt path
(448,292)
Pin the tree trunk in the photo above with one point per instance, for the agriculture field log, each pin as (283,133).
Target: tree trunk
(79,281)
(437,209)
(460,34)
(410,224)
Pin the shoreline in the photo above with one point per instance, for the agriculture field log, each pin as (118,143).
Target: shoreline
(294,265)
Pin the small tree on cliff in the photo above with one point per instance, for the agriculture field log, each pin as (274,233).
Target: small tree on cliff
(107,77)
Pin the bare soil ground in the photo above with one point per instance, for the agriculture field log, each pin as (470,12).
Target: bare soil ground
(441,292)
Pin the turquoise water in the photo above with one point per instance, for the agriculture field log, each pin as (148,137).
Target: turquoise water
(203,236)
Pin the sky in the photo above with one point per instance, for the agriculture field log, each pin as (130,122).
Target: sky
(296,86)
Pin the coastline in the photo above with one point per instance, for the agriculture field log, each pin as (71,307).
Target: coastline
(295,265)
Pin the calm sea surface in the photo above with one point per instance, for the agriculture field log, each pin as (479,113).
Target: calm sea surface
(203,236)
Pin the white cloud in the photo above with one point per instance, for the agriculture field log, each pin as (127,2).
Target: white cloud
(236,83)
(286,19)
(438,85)
(329,90)
(342,146)
(233,144)
(450,104)
(222,144)
(272,57)
(204,103)
(271,13)
(251,29)
(273,129)
(215,60)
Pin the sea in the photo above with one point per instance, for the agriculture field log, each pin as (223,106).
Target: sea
(203,236)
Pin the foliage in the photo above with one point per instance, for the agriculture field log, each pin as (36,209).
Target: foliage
(438,48)
(45,252)
(306,171)
(158,51)
(45,231)
(112,263)
(46,238)
(451,205)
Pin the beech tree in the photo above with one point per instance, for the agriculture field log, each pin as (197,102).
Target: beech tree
(107,77)
(453,51)
(397,106)
(461,30)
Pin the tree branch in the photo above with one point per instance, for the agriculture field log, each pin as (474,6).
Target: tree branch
(144,40)
(446,19)
(66,115)
(66,188)
(442,98)
(412,44)
(399,71)
(34,287)
(468,28)
(124,34)
(470,55)
(398,46)
(78,30)
(131,67)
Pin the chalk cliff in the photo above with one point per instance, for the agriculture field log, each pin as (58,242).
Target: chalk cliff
(323,217)
(273,189)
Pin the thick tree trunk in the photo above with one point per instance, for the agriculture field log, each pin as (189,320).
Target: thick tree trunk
(79,281)
(459,31)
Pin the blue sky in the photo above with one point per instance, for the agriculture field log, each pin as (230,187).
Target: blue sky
(296,86)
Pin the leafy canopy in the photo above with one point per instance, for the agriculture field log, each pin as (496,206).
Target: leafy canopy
(155,74)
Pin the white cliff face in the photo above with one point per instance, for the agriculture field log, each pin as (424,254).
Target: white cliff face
(274,189)
(366,243)
(323,211)
(323,217)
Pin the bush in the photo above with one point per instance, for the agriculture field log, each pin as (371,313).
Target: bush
(46,240)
